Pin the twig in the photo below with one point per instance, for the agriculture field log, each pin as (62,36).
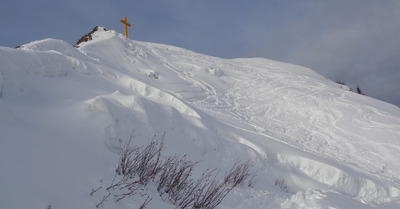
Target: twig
(103,200)
(148,199)
(94,190)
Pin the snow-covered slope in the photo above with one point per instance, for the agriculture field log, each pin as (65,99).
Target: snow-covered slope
(64,112)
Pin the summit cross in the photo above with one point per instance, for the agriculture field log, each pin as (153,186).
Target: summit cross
(125,26)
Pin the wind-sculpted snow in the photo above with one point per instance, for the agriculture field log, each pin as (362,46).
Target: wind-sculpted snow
(314,143)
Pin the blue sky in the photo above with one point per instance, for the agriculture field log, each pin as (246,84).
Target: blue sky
(354,41)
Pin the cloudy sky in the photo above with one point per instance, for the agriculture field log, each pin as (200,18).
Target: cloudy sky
(353,41)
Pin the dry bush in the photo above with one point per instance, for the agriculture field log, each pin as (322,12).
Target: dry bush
(359,91)
(142,162)
(172,176)
(282,184)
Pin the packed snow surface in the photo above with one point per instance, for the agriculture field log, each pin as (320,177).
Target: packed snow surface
(64,112)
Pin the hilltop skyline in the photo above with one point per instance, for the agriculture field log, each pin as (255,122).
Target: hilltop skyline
(355,42)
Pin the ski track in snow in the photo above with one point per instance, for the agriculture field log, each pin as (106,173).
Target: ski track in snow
(248,101)
(325,133)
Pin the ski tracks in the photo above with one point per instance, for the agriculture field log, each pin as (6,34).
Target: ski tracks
(294,109)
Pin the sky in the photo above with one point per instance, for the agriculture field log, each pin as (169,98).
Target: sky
(351,41)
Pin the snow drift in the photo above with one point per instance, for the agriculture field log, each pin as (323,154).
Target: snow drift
(65,111)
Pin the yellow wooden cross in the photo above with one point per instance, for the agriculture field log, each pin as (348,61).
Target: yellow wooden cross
(125,26)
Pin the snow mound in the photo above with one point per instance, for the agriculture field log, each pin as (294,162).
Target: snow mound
(65,112)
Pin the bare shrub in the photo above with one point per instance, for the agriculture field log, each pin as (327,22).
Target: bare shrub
(130,189)
(282,184)
(238,173)
(205,192)
(359,91)
(153,75)
(143,162)
(212,191)
(341,82)
(172,177)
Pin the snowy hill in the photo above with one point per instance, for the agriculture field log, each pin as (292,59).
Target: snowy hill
(65,111)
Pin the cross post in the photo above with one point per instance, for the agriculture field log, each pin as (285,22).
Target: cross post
(125,26)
